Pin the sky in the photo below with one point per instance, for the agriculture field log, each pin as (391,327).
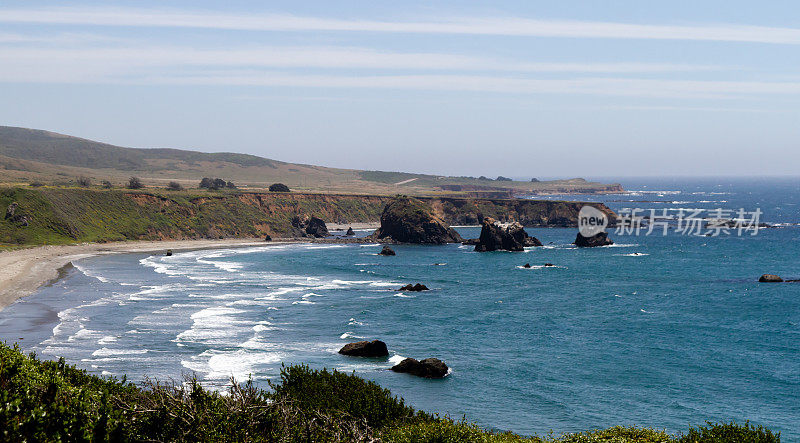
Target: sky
(513,88)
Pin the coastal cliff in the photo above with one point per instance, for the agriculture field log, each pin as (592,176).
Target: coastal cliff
(71,215)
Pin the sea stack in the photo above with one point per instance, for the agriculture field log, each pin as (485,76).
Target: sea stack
(374,348)
(408,220)
(770,278)
(387,251)
(316,226)
(599,239)
(428,368)
(504,236)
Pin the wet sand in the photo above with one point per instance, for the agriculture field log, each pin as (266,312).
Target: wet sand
(23,271)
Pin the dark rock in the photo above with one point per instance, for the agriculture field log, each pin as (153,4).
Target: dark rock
(350,231)
(169,253)
(408,220)
(504,236)
(428,368)
(374,348)
(313,227)
(599,239)
(387,251)
(414,288)
(267,237)
(471,241)
(13,217)
(548,265)
(12,208)
(526,265)
(532,241)
(316,227)
(770,278)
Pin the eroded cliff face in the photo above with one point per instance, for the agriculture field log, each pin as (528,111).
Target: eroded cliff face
(58,215)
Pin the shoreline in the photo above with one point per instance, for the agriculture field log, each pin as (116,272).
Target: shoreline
(23,271)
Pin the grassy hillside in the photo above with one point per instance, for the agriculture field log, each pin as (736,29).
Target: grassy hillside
(56,215)
(54,401)
(29,155)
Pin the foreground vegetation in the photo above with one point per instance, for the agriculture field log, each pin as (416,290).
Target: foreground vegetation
(53,401)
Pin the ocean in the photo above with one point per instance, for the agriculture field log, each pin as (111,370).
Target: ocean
(665,331)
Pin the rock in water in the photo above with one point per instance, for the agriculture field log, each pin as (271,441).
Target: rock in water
(471,242)
(168,253)
(316,227)
(267,237)
(350,231)
(414,288)
(408,220)
(374,348)
(770,278)
(387,251)
(428,368)
(526,265)
(599,239)
(503,236)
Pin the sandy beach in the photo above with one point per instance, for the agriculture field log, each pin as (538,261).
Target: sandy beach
(23,271)
(343,227)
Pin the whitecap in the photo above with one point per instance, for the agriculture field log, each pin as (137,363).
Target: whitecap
(396,359)
(88,273)
(108,352)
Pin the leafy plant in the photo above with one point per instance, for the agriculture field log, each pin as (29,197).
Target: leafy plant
(135,183)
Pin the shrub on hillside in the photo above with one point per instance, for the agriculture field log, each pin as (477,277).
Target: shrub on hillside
(84,182)
(213,184)
(174,186)
(335,392)
(135,183)
(730,432)
(107,184)
(278,187)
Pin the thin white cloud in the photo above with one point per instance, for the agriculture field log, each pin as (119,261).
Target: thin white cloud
(53,58)
(508,26)
(622,87)
(476,83)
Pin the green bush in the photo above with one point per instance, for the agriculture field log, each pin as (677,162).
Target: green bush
(337,393)
(730,432)
(53,401)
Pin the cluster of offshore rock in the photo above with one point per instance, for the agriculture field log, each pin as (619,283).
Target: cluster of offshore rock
(427,368)
(408,220)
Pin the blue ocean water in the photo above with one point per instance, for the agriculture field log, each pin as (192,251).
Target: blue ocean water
(662,331)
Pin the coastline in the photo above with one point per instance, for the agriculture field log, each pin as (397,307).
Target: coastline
(23,271)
